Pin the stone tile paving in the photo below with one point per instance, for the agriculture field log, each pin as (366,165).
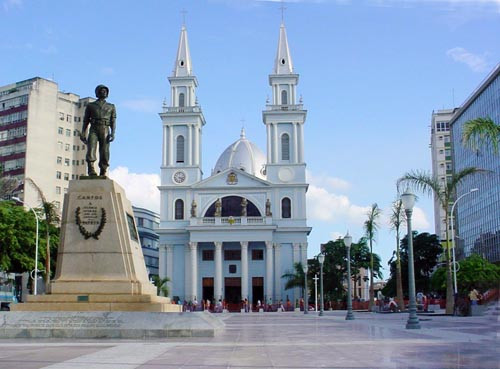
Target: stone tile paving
(283,340)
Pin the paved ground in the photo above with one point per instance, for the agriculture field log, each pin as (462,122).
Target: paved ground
(283,340)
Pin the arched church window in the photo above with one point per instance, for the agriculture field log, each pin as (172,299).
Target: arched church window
(179,209)
(284,97)
(181,99)
(180,149)
(285,147)
(286,208)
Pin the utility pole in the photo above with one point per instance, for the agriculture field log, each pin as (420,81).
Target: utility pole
(315,292)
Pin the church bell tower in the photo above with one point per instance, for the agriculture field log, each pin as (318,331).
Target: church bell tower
(284,118)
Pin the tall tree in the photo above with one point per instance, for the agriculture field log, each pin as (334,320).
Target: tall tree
(51,217)
(295,278)
(479,132)
(445,193)
(161,285)
(396,220)
(371,227)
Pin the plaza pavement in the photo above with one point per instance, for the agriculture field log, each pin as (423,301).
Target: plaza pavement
(283,340)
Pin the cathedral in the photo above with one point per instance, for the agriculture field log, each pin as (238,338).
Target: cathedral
(232,235)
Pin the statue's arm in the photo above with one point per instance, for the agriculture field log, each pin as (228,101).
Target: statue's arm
(86,122)
(112,124)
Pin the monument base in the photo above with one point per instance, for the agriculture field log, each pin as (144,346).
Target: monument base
(129,325)
(97,302)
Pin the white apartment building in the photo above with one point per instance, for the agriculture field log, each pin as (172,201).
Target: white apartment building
(441,160)
(39,138)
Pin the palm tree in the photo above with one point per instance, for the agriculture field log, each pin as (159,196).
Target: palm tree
(51,217)
(445,193)
(477,132)
(371,227)
(161,285)
(396,220)
(295,278)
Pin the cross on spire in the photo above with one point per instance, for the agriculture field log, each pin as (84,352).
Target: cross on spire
(183,12)
(282,7)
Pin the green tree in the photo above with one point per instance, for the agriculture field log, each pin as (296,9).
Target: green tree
(426,252)
(479,132)
(295,277)
(161,285)
(396,220)
(51,217)
(473,272)
(444,193)
(17,238)
(371,227)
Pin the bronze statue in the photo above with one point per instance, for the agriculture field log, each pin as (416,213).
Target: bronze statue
(101,116)
(244,204)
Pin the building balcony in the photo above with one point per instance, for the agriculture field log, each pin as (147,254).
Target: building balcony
(230,221)
(183,109)
(295,107)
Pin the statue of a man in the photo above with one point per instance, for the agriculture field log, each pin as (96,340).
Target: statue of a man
(268,208)
(193,209)
(101,116)
(244,204)
(218,208)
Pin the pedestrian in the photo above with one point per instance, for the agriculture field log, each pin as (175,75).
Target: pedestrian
(474,296)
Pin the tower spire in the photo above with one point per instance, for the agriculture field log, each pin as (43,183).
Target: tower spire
(183,66)
(283,63)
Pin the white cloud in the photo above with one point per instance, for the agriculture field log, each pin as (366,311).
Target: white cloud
(330,183)
(475,62)
(419,220)
(142,105)
(141,188)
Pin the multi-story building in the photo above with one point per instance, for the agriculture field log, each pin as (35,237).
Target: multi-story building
(39,138)
(147,222)
(442,166)
(478,215)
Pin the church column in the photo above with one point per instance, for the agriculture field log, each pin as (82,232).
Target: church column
(170,268)
(196,145)
(269,270)
(303,253)
(171,146)
(244,269)
(301,143)
(268,127)
(277,270)
(295,144)
(275,141)
(164,151)
(190,144)
(296,259)
(162,262)
(218,271)
(194,269)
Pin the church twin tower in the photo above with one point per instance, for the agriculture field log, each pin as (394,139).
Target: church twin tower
(232,235)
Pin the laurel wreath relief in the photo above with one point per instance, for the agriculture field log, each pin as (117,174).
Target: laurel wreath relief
(86,233)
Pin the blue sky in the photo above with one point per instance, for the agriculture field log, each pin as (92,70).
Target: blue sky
(371,72)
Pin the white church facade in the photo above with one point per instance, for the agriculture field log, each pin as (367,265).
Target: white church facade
(234,234)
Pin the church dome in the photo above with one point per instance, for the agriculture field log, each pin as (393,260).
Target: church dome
(243,155)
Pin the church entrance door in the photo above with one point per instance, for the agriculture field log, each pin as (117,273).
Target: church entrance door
(257,290)
(232,288)
(208,290)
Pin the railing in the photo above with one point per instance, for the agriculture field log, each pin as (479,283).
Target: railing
(284,107)
(183,109)
(229,221)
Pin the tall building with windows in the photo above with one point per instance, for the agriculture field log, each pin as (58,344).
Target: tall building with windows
(38,138)
(478,215)
(442,165)
(234,234)
(147,222)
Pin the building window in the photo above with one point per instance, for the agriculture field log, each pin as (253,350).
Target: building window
(179,209)
(60,144)
(68,118)
(67,147)
(180,149)
(207,255)
(59,160)
(181,100)
(58,190)
(58,175)
(285,147)
(66,162)
(257,254)
(232,254)
(286,208)
(68,133)
(61,116)
(284,97)
(60,130)
(66,176)
(232,269)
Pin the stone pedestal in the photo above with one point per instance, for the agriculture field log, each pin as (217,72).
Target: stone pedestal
(100,265)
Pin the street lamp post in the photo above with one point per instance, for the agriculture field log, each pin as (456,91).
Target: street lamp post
(321,259)
(306,294)
(408,200)
(455,289)
(315,292)
(36,243)
(347,243)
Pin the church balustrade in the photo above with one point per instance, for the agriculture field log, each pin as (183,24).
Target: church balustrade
(181,109)
(225,221)
(285,107)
